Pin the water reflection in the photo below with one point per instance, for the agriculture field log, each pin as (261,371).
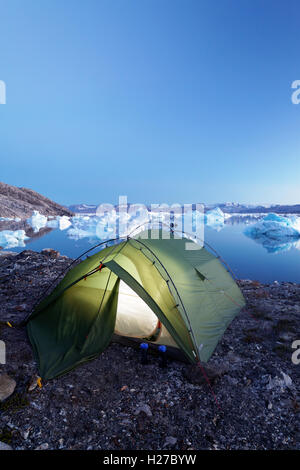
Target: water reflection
(273,232)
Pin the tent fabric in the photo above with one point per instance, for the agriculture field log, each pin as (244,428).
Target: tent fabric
(188,291)
(136,320)
(134,317)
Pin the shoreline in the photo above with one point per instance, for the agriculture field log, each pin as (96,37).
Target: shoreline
(8,254)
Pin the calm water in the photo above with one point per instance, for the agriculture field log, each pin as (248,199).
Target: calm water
(250,260)
(247,258)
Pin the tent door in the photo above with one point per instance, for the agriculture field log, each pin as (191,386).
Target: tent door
(136,319)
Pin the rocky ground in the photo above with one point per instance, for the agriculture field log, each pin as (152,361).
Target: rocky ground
(114,402)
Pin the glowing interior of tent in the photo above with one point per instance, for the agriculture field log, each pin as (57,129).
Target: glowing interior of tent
(135,319)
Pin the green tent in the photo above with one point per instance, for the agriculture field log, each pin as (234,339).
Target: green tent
(157,289)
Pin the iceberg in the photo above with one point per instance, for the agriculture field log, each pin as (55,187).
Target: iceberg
(37,221)
(10,219)
(276,227)
(60,222)
(12,238)
(63,222)
(92,227)
(276,232)
(111,225)
(215,218)
(100,227)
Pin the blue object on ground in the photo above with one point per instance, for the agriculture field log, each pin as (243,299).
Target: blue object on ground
(144,351)
(163,359)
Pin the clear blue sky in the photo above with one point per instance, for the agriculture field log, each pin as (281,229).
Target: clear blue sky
(171,101)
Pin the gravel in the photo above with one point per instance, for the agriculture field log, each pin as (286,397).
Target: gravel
(114,402)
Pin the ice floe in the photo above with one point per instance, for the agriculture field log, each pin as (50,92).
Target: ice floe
(111,224)
(91,227)
(12,238)
(276,227)
(276,232)
(60,222)
(10,219)
(37,221)
(215,218)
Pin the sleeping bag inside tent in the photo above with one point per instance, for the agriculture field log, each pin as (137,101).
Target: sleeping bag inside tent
(149,288)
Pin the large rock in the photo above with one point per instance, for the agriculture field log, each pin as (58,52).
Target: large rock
(170,441)
(143,408)
(7,386)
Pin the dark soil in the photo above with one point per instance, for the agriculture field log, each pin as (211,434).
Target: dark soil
(114,402)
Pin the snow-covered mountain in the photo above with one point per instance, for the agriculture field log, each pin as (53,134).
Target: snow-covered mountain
(226,207)
(237,208)
(83,208)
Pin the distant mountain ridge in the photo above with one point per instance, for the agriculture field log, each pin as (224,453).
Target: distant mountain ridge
(227,208)
(21,202)
(236,208)
(83,208)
